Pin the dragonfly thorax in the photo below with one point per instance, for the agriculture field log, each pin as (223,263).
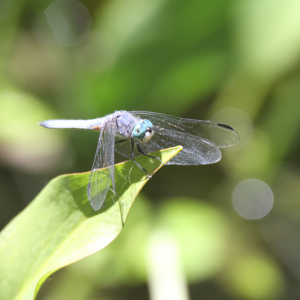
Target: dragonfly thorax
(142,131)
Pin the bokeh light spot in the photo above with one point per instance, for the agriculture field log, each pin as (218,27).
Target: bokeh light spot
(70,21)
(252,199)
(254,277)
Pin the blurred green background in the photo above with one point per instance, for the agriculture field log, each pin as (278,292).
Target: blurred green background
(224,231)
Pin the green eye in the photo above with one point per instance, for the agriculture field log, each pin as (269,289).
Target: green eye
(139,131)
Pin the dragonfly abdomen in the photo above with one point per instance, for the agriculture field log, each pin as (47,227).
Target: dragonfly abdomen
(95,124)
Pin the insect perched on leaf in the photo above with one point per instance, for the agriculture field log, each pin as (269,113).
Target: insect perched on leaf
(138,133)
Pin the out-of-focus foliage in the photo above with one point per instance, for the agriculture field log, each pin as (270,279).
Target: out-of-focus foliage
(235,62)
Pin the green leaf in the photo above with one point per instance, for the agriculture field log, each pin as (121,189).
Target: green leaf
(60,227)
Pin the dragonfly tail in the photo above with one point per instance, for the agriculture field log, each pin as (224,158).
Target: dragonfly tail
(80,124)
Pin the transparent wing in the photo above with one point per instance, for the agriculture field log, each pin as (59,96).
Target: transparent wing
(99,181)
(220,134)
(196,150)
(125,148)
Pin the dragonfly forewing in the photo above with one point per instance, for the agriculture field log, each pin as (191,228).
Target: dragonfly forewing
(221,135)
(196,150)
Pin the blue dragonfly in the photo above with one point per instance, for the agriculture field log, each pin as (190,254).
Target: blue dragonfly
(138,133)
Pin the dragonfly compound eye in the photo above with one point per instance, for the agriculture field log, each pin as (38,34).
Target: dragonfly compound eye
(142,132)
(139,131)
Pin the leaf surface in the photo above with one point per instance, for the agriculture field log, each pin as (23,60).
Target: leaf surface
(60,227)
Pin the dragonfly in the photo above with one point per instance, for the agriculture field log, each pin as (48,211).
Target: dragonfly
(135,133)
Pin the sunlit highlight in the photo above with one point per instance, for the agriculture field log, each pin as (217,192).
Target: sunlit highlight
(69,20)
(252,199)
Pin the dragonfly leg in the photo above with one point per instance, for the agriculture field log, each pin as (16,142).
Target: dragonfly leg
(120,141)
(142,152)
(132,145)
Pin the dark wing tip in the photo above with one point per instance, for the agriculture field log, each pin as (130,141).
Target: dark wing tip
(234,136)
(225,126)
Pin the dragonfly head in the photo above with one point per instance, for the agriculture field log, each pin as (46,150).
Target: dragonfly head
(143,131)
